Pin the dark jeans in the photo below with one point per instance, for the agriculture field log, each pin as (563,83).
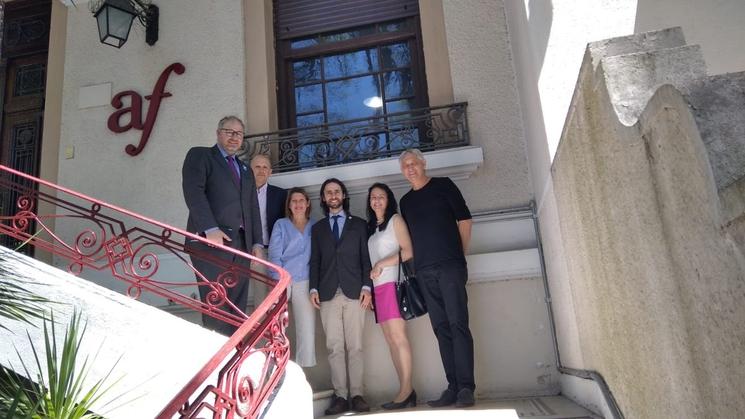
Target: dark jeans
(444,289)
(238,294)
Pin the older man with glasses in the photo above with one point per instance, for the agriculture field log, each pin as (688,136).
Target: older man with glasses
(220,193)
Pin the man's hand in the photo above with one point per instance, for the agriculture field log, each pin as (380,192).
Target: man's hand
(216,236)
(365,299)
(315,300)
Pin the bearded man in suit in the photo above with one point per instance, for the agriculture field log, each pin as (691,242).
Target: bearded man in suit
(340,287)
(220,193)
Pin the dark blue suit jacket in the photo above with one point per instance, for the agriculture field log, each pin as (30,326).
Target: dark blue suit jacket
(214,199)
(345,264)
(275,206)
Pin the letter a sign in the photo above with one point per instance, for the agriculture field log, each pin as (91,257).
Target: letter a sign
(135,109)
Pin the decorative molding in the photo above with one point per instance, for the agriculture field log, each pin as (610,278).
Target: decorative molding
(456,163)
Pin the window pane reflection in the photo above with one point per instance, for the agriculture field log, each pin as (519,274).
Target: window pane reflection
(303,43)
(307,70)
(345,98)
(344,65)
(308,98)
(399,105)
(398,83)
(396,55)
(309,120)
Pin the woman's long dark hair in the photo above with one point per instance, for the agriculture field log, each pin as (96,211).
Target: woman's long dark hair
(390,209)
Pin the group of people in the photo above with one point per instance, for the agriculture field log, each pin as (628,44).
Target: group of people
(341,264)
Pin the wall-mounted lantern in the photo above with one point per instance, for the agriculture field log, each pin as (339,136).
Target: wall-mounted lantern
(114,18)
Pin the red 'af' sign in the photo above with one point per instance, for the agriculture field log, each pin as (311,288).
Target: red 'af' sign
(135,109)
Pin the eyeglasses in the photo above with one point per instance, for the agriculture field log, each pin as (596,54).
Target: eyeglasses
(232,133)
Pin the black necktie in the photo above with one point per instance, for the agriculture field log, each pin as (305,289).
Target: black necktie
(335,227)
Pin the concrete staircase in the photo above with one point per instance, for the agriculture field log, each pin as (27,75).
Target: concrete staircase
(159,352)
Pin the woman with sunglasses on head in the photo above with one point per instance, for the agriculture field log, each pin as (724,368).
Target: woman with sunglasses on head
(389,236)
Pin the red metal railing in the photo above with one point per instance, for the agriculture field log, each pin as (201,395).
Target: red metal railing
(90,234)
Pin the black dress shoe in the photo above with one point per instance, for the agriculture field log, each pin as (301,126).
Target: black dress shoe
(465,398)
(359,404)
(447,398)
(338,405)
(409,402)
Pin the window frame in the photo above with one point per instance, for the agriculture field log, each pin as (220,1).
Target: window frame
(286,106)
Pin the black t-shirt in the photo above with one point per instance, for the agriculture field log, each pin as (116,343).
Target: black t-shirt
(432,214)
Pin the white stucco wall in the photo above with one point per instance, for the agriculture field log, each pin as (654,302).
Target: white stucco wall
(483,75)
(213,85)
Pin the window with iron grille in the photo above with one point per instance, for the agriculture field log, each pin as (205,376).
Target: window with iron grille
(347,91)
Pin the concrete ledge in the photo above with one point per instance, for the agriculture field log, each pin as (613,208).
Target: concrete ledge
(501,266)
(456,163)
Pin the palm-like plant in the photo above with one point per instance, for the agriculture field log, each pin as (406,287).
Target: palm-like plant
(61,395)
(16,302)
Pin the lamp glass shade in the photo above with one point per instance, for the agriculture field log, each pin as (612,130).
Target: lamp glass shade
(114,19)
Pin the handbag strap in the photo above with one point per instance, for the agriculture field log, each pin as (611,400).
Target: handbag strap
(398,280)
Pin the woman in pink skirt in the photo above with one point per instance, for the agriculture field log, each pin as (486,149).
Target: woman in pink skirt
(388,236)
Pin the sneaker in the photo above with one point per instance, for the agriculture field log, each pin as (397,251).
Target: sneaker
(465,398)
(447,398)
(359,404)
(338,405)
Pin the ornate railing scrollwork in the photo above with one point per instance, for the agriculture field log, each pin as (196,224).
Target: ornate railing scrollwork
(361,139)
(92,235)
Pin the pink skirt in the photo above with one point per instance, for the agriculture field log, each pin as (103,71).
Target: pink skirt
(386,303)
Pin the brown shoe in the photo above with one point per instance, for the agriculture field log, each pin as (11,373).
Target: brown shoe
(359,404)
(338,405)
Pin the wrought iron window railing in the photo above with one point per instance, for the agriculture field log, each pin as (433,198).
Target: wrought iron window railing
(89,234)
(361,139)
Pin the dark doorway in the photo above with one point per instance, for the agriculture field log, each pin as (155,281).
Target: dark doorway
(23,70)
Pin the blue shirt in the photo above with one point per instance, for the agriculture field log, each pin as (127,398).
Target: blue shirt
(290,249)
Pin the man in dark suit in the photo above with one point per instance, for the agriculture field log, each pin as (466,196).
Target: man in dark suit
(220,194)
(340,287)
(272,208)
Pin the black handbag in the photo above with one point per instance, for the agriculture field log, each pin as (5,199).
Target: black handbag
(410,298)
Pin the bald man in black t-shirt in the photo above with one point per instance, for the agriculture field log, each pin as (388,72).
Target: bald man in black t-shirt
(440,226)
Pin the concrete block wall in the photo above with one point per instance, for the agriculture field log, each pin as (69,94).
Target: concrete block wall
(650,214)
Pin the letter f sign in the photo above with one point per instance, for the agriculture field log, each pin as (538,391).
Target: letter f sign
(135,109)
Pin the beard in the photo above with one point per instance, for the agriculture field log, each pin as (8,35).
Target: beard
(335,205)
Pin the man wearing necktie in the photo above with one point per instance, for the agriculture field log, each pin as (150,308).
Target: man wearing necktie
(340,287)
(220,194)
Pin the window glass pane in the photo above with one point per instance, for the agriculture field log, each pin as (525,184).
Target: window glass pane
(345,65)
(309,120)
(399,105)
(396,55)
(307,70)
(398,83)
(394,26)
(304,43)
(346,98)
(308,98)
(350,34)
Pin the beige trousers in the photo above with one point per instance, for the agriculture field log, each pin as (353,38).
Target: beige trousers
(304,318)
(343,322)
